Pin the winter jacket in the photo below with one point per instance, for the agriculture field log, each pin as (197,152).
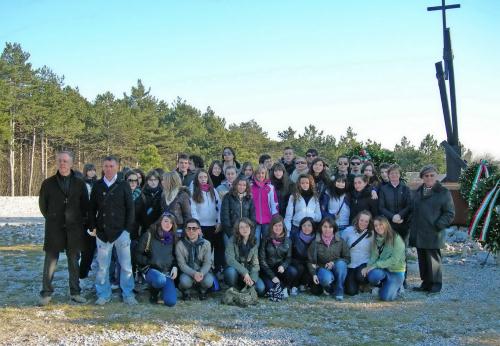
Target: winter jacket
(272,256)
(150,206)
(65,213)
(203,258)
(158,255)
(180,206)
(136,198)
(249,265)
(208,211)
(430,216)
(336,208)
(299,209)
(289,167)
(360,253)
(223,188)
(396,200)
(392,257)
(295,175)
(234,208)
(111,209)
(265,202)
(186,179)
(320,254)
(299,248)
(283,196)
(363,201)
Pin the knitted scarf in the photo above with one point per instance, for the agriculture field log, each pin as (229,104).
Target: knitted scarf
(193,249)
(306,238)
(327,240)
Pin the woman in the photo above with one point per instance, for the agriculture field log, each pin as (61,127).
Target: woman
(242,257)
(386,267)
(150,207)
(361,197)
(230,174)
(283,186)
(303,203)
(229,159)
(237,204)
(175,199)
(264,200)
(246,170)
(89,176)
(131,178)
(205,207)
(319,173)
(301,241)
(368,169)
(328,257)
(301,167)
(215,172)
(359,240)
(335,202)
(89,243)
(141,176)
(155,254)
(275,255)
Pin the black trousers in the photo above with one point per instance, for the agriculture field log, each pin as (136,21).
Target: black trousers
(354,279)
(429,265)
(305,278)
(217,242)
(88,251)
(49,268)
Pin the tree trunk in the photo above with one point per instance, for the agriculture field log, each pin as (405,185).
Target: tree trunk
(12,156)
(21,168)
(46,157)
(42,159)
(32,162)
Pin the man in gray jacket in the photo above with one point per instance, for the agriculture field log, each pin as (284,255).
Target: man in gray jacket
(433,211)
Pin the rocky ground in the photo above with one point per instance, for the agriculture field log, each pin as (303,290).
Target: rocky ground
(464,313)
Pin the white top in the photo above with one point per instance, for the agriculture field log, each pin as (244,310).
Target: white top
(360,254)
(302,210)
(110,182)
(339,206)
(207,212)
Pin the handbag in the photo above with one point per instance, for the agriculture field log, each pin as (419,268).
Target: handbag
(242,298)
(275,293)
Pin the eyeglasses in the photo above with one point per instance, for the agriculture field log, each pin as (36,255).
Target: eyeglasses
(356,163)
(311,155)
(343,163)
(192,228)
(132,180)
(300,162)
(226,153)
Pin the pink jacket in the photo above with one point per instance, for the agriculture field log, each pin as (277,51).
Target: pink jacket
(265,201)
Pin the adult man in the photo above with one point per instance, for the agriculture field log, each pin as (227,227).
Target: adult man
(111,218)
(63,202)
(355,165)
(194,257)
(311,154)
(432,212)
(288,160)
(185,173)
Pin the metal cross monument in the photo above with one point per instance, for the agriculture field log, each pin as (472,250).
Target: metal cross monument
(454,161)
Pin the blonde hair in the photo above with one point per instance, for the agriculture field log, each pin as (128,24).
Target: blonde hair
(389,233)
(262,168)
(171,183)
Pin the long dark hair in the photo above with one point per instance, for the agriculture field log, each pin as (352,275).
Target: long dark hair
(234,187)
(236,232)
(197,193)
(323,175)
(275,220)
(331,186)
(330,221)
(284,182)
(298,190)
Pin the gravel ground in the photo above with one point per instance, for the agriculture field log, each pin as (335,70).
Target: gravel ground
(464,313)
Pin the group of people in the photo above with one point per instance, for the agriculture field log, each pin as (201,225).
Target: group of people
(294,222)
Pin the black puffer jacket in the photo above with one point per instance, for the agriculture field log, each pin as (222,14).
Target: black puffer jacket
(431,215)
(150,204)
(363,201)
(234,208)
(157,255)
(271,256)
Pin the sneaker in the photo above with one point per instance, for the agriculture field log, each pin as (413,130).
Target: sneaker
(78,298)
(43,301)
(114,287)
(302,288)
(130,300)
(294,291)
(102,301)
(375,291)
(339,298)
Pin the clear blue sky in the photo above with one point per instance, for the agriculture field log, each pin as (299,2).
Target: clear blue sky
(365,64)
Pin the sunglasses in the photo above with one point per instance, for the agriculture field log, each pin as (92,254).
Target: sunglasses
(300,163)
(355,163)
(132,180)
(226,153)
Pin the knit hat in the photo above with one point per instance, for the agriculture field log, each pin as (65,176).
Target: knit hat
(426,169)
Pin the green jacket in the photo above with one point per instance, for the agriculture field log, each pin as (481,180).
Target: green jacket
(243,266)
(392,257)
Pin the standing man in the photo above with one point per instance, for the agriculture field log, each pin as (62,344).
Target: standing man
(288,160)
(183,170)
(111,218)
(63,202)
(311,154)
(433,211)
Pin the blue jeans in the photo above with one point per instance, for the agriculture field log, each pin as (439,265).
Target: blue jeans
(186,282)
(391,282)
(233,279)
(261,232)
(104,251)
(333,278)
(164,283)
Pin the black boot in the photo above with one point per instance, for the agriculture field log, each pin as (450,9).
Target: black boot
(153,295)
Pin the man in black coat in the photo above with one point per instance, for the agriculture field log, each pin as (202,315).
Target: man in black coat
(111,218)
(63,201)
(432,212)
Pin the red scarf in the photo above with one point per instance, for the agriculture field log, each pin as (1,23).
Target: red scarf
(205,187)
(327,240)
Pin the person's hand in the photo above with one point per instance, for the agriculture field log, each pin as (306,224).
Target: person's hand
(92,233)
(173,273)
(281,269)
(248,280)
(397,218)
(315,279)
(374,194)
(329,265)
(365,271)
(198,277)
(276,280)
